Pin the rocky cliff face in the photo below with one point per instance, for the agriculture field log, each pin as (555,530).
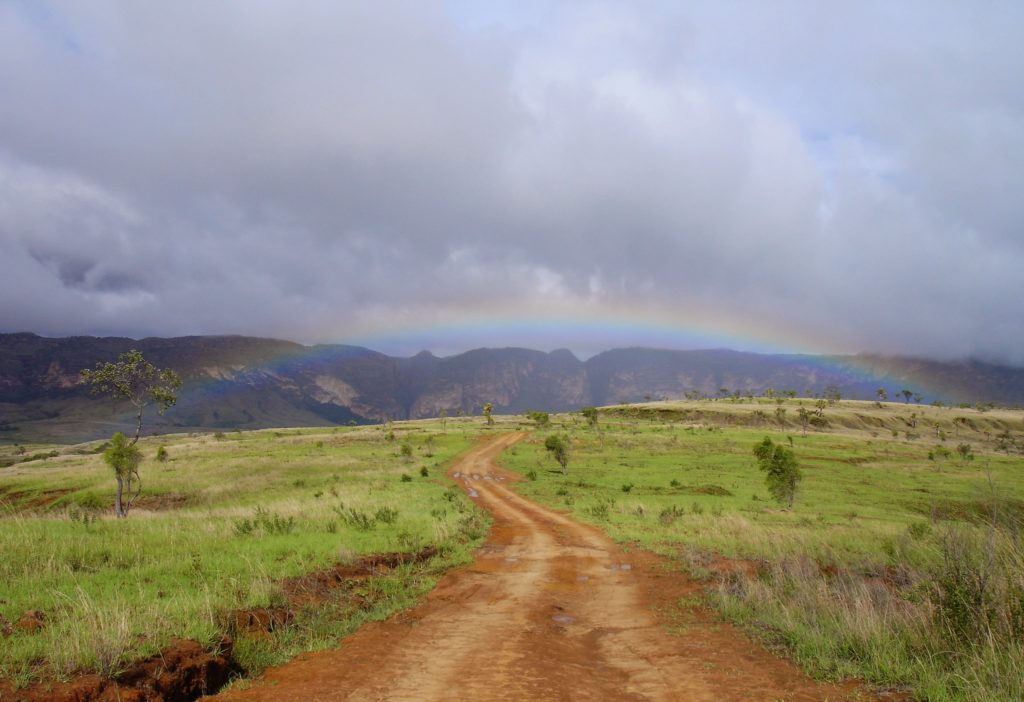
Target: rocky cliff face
(243,382)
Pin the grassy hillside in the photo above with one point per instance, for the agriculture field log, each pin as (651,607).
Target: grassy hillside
(892,566)
(220,528)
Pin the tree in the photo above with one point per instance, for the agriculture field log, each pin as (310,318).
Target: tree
(966,452)
(541,419)
(138,381)
(590,414)
(805,418)
(882,394)
(558,447)
(907,394)
(832,393)
(123,456)
(443,416)
(782,472)
(488,408)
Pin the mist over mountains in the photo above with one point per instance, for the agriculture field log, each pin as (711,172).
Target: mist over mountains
(246,383)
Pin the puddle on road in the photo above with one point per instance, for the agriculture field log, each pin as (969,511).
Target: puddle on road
(620,566)
(511,559)
(582,578)
(456,475)
(476,476)
(564,619)
(473,493)
(487,477)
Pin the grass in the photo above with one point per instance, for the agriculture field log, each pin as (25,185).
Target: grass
(892,567)
(219,525)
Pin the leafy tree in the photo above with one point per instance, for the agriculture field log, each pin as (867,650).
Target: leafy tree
(783,473)
(161,454)
(123,456)
(443,416)
(907,394)
(590,414)
(832,393)
(558,447)
(966,452)
(136,380)
(488,408)
(542,419)
(882,394)
(805,418)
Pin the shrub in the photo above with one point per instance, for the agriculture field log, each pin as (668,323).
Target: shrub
(161,454)
(782,472)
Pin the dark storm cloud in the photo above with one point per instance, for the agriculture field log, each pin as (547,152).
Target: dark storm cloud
(845,173)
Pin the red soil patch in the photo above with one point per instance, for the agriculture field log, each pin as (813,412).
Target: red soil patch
(186,670)
(182,672)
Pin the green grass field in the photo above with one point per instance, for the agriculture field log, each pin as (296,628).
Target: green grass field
(217,528)
(900,562)
(892,566)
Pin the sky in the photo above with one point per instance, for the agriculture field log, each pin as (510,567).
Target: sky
(812,177)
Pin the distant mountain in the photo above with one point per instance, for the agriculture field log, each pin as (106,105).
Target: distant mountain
(243,382)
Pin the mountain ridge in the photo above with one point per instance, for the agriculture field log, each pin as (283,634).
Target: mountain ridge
(234,381)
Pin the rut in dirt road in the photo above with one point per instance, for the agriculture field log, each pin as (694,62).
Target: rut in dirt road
(549,610)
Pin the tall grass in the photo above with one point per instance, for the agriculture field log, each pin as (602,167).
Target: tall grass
(952,629)
(249,511)
(891,567)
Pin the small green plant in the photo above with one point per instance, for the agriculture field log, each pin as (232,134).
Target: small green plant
(386,515)
(627,487)
(406,450)
(406,478)
(269,523)
(356,518)
(161,454)
(675,483)
(424,473)
(966,452)
(531,475)
(541,419)
(782,472)
(558,446)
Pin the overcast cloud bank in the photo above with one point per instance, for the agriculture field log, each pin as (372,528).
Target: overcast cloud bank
(842,175)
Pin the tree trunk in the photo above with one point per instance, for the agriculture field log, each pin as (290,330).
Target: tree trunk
(117,499)
(138,427)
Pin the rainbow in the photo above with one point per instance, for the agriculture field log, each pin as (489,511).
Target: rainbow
(402,332)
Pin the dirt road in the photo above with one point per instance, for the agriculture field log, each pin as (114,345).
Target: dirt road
(549,610)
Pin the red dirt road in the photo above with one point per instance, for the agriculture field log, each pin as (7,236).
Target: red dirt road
(549,610)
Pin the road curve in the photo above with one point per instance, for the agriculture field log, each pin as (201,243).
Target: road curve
(550,609)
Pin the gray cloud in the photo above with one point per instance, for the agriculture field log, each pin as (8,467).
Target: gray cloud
(842,174)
